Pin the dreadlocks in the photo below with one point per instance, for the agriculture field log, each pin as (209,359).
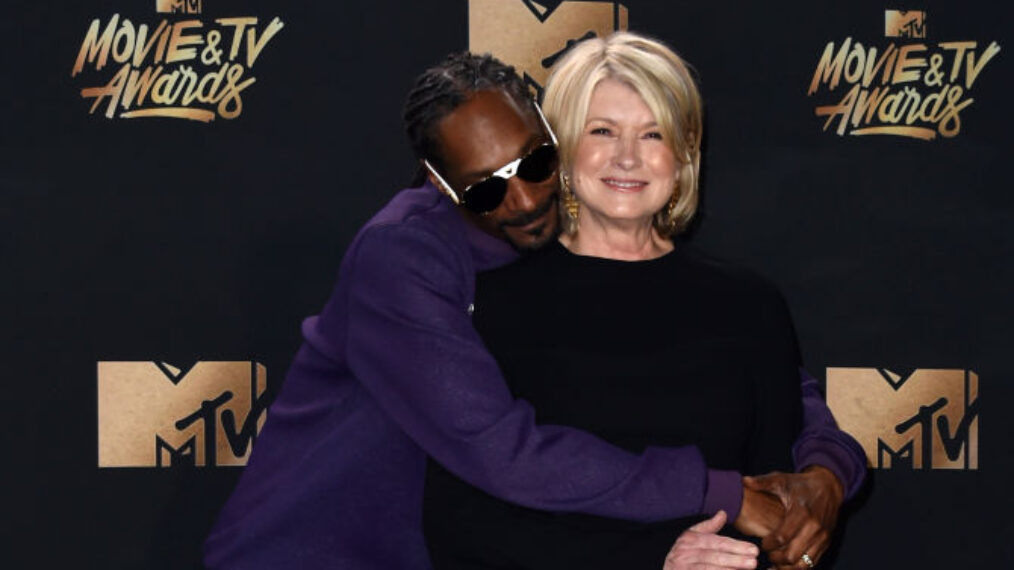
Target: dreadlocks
(442,88)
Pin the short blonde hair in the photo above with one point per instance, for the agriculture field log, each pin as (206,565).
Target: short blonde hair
(665,83)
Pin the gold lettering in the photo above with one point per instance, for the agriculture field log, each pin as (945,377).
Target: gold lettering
(959,56)
(843,109)
(125,36)
(901,75)
(931,106)
(238,25)
(867,103)
(855,63)
(874,63)
(187,83)
(113,89)
(138,86)
(830,66)
(161,94)
(255,46)
(950,123)
(144,45)
(177,41)
(210,84)
(974,68)
(892,108)
(95,49)
(231,105)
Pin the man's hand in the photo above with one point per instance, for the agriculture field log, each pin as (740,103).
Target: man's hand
(701,548)
(811,500)
(761,513)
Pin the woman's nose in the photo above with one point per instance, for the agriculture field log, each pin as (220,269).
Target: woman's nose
(627,156)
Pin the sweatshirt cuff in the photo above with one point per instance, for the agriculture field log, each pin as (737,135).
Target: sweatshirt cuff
(838,462)
(724,493)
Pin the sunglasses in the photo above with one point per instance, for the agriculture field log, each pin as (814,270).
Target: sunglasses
(485,195)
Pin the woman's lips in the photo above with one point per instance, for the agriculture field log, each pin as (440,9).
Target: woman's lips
(625,185)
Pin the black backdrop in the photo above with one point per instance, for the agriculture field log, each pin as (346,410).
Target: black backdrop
(179,241)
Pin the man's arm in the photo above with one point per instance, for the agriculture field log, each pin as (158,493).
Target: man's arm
(822,443)
(830,465)
(411,343)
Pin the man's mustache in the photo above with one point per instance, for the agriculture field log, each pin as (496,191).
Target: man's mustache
(525,219)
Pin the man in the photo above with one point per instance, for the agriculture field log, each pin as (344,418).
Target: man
(392,370)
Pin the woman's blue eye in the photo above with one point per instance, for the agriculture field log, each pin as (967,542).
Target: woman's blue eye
(600,131)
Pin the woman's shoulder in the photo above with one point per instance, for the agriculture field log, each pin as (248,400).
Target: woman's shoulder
(722,275)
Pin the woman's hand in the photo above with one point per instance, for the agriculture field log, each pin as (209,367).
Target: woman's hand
(701,548)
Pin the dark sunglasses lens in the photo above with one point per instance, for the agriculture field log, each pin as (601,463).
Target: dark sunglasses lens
(486,195)
(539,165)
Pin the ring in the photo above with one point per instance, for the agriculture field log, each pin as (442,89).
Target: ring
(807,560)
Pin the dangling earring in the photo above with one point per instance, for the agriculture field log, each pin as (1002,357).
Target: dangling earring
(665,220)
(571,207)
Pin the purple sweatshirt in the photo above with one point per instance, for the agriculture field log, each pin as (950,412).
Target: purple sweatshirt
(392,370)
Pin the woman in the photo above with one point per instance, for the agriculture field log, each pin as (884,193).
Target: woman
(654,342)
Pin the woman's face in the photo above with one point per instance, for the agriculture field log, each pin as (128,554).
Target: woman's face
(622,169)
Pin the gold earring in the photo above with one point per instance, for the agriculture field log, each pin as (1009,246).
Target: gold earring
(671,210)
(665,220)
(571,207)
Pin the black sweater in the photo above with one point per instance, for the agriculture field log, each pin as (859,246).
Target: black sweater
(679,350)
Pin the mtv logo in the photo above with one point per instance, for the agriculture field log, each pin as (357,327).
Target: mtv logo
(152,414)
(904,24)
(531,36)
(919,419)
(178,6)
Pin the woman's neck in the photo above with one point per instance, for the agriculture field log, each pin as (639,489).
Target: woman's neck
(626,240)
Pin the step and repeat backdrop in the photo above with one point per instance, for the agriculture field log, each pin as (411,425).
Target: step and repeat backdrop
(180,180)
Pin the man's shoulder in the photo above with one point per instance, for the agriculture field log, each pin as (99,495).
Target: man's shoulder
(418,227)
(421,206)
(418,211)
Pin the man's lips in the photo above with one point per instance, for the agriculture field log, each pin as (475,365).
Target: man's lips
(531,219)
(626,185)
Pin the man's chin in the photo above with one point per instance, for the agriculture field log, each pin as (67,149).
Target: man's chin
(533,238)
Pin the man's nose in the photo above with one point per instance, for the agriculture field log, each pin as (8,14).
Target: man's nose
(522,196)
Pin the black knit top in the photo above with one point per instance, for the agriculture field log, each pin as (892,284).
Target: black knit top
(678,350)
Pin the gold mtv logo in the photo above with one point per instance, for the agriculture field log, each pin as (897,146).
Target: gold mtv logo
(925,419)
(904,24)
(178,6)
(531,35)
(152,414)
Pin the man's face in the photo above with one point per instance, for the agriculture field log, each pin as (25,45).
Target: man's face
(482,135)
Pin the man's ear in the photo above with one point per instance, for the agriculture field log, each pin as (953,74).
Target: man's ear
(436,183)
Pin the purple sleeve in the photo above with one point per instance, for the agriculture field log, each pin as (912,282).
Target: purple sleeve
(411,343)
(822,443)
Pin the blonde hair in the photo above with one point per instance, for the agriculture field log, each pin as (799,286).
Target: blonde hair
(664,82)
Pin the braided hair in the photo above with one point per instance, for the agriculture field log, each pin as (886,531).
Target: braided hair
(444,87)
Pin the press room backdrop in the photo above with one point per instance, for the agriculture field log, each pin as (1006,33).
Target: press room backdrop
(180,180)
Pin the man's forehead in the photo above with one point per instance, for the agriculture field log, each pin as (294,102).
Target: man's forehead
(485,132)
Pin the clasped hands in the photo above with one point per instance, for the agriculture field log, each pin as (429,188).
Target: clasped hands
(792,513)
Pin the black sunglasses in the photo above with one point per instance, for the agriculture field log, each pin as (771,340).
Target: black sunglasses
(485,195)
